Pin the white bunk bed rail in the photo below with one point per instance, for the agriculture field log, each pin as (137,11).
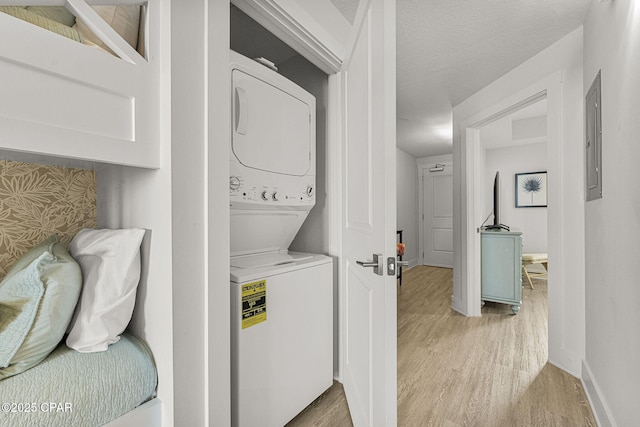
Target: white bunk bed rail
(65,99)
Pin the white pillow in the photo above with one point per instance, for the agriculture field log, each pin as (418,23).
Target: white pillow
(110,263)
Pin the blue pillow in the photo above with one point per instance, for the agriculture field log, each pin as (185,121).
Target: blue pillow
(19,300)
(51,282)
(26,259)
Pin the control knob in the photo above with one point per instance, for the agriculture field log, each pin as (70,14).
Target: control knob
(265,197)
(310,191)
(275,196)
(234,183)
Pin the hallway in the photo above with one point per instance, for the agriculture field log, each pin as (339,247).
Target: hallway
(460,371)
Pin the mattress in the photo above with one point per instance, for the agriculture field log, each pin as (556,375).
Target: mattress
(534,258)
(80,389)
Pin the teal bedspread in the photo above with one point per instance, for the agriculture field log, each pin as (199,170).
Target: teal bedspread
(80,389)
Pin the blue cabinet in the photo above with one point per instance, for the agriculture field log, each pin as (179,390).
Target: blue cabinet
(501,253)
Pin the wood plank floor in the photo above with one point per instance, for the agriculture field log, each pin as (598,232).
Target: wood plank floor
(460,371)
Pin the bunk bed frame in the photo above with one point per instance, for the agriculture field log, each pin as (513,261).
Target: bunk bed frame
(66,101)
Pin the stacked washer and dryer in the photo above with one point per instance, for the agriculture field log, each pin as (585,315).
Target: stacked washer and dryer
(281,301)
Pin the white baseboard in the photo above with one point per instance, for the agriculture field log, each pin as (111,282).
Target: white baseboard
(412,263)
(456,304)
(599,406)
(566,360)
(438,265)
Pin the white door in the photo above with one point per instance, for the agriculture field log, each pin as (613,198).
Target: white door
(437,216)
(368,324)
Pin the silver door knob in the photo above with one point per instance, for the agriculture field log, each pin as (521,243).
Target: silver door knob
(377,264)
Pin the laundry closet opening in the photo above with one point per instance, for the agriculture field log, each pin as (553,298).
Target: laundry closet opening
(252,40)
(283,286)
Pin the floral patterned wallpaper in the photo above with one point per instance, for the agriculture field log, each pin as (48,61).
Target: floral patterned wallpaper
(37,201)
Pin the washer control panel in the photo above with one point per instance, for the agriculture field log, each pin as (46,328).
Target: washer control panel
(293,191)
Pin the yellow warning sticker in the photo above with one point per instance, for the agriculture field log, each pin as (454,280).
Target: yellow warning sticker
(254,303)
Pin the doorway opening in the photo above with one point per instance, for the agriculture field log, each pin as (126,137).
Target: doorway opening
(468,298)
(515,145)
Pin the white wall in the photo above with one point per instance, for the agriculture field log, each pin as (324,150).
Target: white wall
(510,161)
(612,44)
(189,224)
(557,69)
(200,208)
(425,161)
(407,204)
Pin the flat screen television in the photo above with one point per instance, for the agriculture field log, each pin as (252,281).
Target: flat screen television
(496,206)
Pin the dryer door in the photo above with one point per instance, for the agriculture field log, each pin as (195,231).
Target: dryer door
(271,128)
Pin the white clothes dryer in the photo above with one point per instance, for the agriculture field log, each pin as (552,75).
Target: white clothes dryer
(272,158)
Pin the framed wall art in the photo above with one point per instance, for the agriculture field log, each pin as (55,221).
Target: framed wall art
(531,190)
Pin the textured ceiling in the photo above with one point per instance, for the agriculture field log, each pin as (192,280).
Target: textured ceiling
(449,49)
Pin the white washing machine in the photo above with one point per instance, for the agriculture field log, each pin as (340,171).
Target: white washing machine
(281,336)
(281,302)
